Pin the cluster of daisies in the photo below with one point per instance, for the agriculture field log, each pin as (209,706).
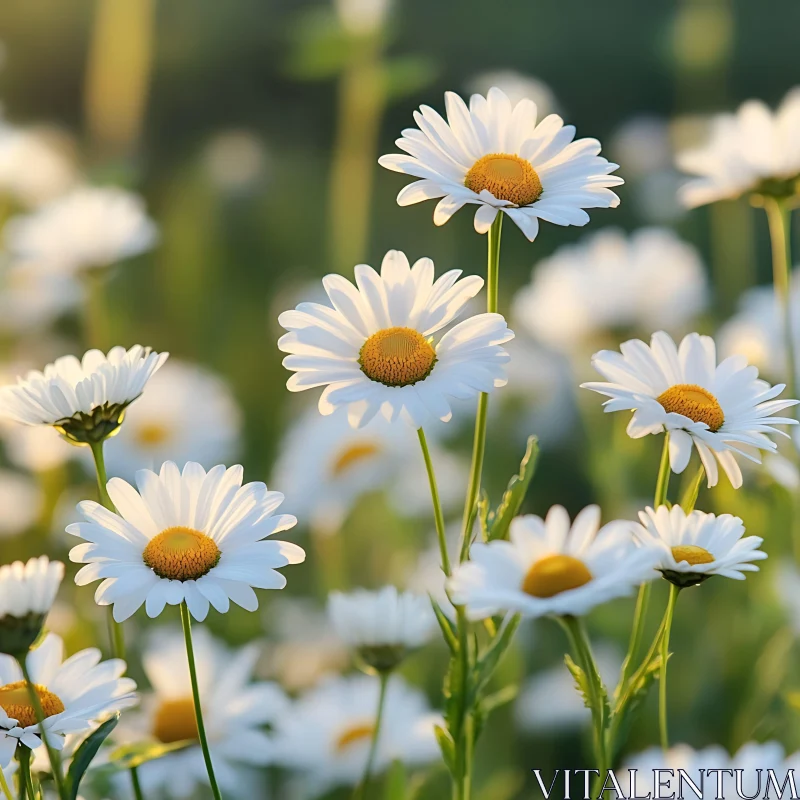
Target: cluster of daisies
(395,348)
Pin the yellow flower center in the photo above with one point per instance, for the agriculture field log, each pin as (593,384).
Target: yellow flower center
(353,735)
(692,554)
(351,456)
(16,702)
(552,575)
(695,402)
(507,177)
(181,554)
(152,434)
(397,357)
(175,721)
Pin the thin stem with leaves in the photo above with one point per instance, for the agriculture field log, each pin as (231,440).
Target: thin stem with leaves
(186,621)
(662,683)
(361,790)
(438,514)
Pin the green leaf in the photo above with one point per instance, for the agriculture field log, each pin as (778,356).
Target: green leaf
(639,685)
(499,698)
(447,746)
(581,680)
(491,657)
(85,754)
(396,784)
(448,631)
(515,493)
(133,755)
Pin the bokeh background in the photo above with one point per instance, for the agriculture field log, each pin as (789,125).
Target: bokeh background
(251,129)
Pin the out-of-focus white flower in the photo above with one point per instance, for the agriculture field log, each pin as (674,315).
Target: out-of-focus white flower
(33,168)
(326,733)
(88,228)
(325,466)
(642,144)
(236,710)
(35,448)
(362,17)
(235,160)
(304,648)
(548,701)
(516,86)
(32,297)
(187,414)
(756,329)
(754,150)
(612,282)
(20,503)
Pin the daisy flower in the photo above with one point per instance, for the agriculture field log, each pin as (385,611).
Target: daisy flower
(186,414)
(191,536)
(21,503)
(382,626)
(75,694)
(495,156)
(695,546)
(552,567)
(236,712)
(609,282)
(722,409)
(349,463)
(85,229)
(754,150)
(27,592)
(84,400)
(373,347)
(326,733)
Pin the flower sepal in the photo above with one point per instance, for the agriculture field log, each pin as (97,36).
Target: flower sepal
(19,634)
(684,580)
(87,429)
(380,659)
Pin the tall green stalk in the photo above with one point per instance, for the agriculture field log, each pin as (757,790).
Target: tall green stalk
(438,515)
(361,790)
(662,682)
(115,631)
(186,621)
(5,787)
(24,773)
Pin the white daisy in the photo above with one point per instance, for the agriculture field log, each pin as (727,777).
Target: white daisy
(552,567)
(34,448)
(612,282)
(327,732)
(495,156)
(754,150)
(236,712)
(85,400)
(74,695)
(373,350)
(721,409)
(194,535)
(21,502)
(186,414)
(349,463)
(693,547)
(548,702)
(382,626)
(88,228)
(33,168)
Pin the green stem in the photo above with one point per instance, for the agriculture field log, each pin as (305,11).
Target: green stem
(438,515)
(689,498)
(25,782)
(461,730)
(4,786)
(186,620)
(778,217)
(55,758)
(479,440)
(137,786)
(643,599)
(582,650)
(662,683)
(115,632)
(361,790)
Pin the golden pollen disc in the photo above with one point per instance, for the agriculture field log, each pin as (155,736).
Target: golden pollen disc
(397,357)
(692,554)
(181,554)
(353,735)
(695,402)
(152,434)
(352,456)
(552,575)
(507,177)
(16,702)
(175,721)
